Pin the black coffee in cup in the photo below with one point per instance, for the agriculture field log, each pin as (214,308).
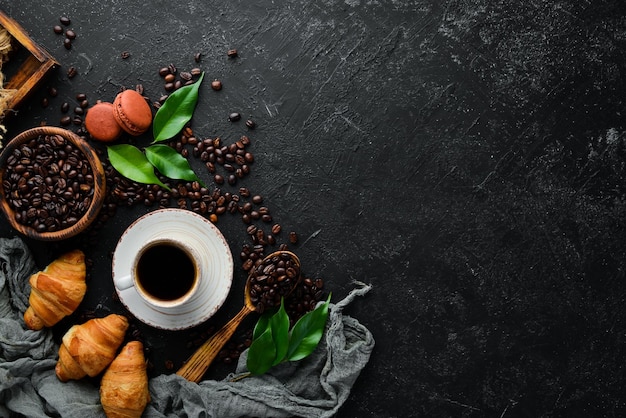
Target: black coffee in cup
(165,271)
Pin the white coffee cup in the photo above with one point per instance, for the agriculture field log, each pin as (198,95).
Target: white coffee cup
(166,272)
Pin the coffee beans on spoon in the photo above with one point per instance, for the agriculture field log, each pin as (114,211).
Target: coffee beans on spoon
(272,279)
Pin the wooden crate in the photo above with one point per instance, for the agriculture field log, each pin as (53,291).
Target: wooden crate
(33,68)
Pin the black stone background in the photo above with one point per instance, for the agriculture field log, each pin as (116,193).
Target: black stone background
(466,158)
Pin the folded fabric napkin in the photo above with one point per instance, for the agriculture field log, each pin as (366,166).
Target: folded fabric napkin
(314,387)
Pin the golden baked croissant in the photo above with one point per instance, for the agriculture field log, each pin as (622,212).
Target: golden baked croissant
(89,348)
(56,291)
(124,386)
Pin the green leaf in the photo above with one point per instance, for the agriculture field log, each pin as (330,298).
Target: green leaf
(130,162)
(279,324)
(262,324)
(307,332)
(175,112)
(170,163)
(261,353)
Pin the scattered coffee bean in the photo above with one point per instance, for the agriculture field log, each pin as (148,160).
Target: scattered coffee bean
(70,34)
(67,43)
(197,56)
(185,75)
(65,20)
(125,55)
(232,53)
(57,29)
(196,72)
(164,71)
(44,102)
(234,117)
(250,124)
(72,72)
(293,237)
(52,91)
(216,85)
(65,121)
(65,107)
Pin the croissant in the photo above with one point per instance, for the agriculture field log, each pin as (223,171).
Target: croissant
(56,291)
(87,349)
(124,386)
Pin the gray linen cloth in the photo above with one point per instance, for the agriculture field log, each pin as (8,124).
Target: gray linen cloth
(314,387)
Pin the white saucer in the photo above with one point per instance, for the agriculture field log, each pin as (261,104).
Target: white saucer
(217,267)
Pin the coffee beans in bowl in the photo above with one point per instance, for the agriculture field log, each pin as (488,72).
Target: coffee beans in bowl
(52,183)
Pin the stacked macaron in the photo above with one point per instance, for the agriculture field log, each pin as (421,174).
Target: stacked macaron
(128,113)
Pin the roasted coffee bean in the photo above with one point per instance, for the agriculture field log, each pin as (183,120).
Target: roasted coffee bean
(57,29)
(293,237)
(164,71)
(216,85)
(65,107)
(44,102)
(84,104)
(195,72)
(70,34)
(67,43)
(251,124)
(234,117)
(172,68)
(276,228)
(170,78)
(197,56)
(72,72)
(257,199)
(232,53)
(65,120)
(185,75)
(79,110)
(52,91)
(169,86)
(177,84)
(125,55)
(65,20)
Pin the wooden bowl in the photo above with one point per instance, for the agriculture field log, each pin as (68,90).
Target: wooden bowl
(88,214)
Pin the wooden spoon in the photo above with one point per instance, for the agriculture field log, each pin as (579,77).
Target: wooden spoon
(196,366)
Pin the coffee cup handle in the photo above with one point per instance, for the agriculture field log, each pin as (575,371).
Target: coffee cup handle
(124,283)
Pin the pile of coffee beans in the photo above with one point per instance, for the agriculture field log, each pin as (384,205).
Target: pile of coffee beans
(272,279)
(49,183)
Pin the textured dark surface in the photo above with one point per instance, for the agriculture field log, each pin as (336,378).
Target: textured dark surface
(466,158)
